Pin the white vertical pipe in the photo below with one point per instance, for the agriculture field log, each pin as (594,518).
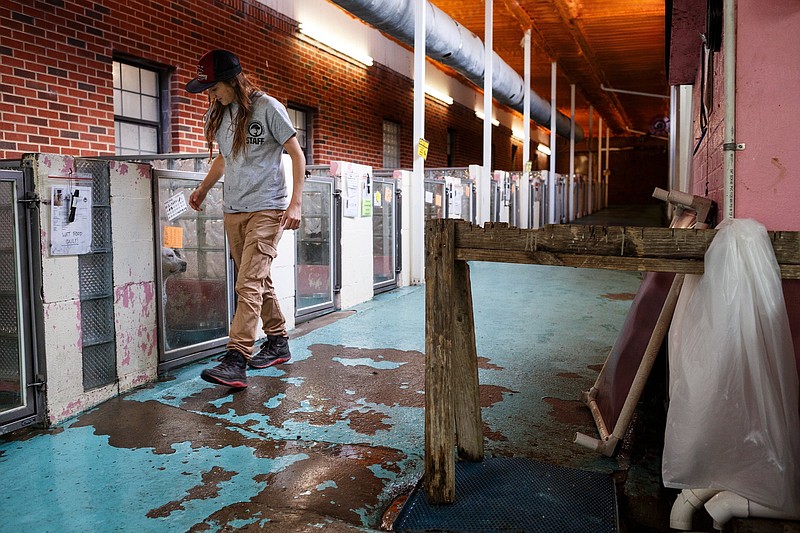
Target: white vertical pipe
(526,102)
(418,182)
(673,138)
(608,153)
(729,83)
(525,177)
(590,174)
(573,186)
(487,95)
(600,161)
(551,216)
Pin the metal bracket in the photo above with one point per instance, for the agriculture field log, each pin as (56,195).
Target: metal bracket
(31,202)
(733,147)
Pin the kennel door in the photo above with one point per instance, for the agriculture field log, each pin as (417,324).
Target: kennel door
(194,273)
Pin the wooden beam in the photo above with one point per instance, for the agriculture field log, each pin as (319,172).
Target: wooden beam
(607,247)
(464,368)
(440,460)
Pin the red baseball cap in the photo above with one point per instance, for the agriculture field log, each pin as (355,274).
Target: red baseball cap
(216,65)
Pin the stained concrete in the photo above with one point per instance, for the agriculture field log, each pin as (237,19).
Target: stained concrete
(333,440)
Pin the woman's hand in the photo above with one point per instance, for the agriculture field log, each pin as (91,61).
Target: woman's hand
(291,217)
(196,199)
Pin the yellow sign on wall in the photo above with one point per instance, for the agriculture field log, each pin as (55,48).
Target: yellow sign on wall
(422,149)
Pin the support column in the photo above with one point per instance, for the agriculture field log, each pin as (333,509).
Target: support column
(417,200)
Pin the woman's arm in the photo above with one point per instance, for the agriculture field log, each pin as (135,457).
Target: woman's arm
(214,174)
(291,217)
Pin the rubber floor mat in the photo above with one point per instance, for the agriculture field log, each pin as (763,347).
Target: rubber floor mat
(517,495)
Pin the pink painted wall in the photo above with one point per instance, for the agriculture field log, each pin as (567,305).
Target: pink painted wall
(767,172)
(767,76)
(767,103)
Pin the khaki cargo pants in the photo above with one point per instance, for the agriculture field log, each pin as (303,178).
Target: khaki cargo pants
(253,240)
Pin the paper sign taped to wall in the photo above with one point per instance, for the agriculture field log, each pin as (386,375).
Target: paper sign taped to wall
(422,148)
(173,236)
(70,220)
(175,206)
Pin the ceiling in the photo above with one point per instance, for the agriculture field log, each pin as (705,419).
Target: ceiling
(616,44)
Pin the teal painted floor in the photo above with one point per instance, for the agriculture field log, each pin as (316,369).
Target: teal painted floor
(333,440)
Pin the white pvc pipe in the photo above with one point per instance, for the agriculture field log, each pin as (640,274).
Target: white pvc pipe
(600,162)
(418,183)
(729,77)
(726,505)
(608,153)
(551,217)
(590,206)
(487,93)
(572,185)
(687,502)
(525,177)
(526,99)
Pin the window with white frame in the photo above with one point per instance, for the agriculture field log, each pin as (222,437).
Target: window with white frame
(137,125)
(391,144)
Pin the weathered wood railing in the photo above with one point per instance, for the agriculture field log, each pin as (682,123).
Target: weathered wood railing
(451,358)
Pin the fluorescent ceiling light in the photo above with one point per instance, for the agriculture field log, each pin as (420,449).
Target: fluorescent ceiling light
(339,44)
(544,149)
(439,95)
(481,116)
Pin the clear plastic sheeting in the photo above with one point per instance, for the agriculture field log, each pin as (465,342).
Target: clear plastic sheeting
(733,421)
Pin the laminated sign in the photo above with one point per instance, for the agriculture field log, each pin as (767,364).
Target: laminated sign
(70,220)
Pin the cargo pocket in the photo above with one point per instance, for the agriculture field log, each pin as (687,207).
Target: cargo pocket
(266,253)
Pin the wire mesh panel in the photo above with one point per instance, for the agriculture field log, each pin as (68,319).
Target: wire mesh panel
(96,284)
(10,363)
(520,495)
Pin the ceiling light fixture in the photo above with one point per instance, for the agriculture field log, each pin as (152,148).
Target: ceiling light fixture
(439,95)
(543,149)
(481,116)
(339,44)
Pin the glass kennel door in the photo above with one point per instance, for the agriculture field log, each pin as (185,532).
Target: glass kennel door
(18,401)
(314,270)
(194,273)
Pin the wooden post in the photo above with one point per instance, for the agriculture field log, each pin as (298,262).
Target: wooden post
(439,422)
(464,360)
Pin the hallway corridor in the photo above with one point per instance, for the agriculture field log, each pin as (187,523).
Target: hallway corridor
(336,434)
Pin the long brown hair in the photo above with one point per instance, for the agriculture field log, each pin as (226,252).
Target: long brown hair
(244,90)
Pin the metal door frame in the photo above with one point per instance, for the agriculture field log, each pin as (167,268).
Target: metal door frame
(307,313)
(390,284)
(177,357)
(29,300)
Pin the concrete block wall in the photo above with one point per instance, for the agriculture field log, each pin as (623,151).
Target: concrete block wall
(133,291)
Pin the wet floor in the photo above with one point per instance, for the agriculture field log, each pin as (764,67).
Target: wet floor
(334,439)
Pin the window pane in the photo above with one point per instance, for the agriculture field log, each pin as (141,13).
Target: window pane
(150,108)
(117,75)
(149,82)
(117,102)
(391,144)
(131,105)
(130,78)
(129,136)
(148,139)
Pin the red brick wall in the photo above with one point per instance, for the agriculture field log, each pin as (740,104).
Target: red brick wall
(56,81)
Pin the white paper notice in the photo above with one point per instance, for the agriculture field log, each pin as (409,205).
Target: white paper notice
(175,206)
(70,220)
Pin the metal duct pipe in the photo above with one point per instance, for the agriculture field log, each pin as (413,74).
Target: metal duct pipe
(449,43)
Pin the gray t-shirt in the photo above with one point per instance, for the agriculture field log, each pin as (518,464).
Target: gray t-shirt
(254,179)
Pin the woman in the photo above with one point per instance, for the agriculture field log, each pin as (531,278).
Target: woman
(251,130)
